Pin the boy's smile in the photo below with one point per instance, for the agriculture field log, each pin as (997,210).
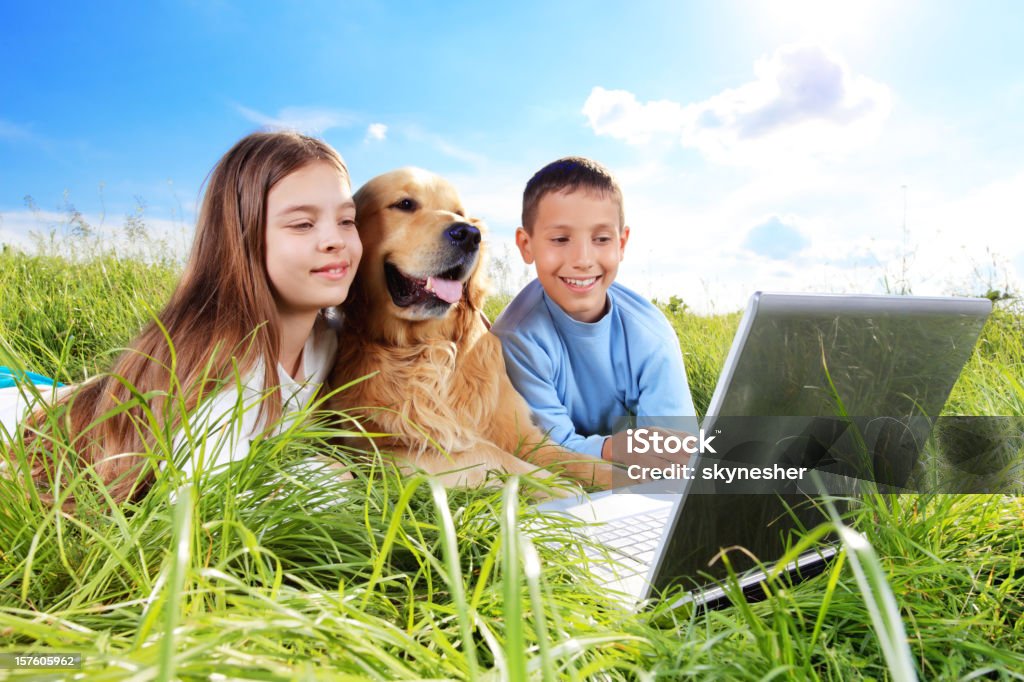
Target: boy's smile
(580,284)
(577,245)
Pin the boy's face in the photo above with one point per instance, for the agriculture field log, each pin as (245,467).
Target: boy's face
(577,244)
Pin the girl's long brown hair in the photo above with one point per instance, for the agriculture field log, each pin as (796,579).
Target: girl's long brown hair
(221,320)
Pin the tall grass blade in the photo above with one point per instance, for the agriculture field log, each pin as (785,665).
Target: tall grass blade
(532,571)
(453,576)
(178,564)
(879,599)
(515,640)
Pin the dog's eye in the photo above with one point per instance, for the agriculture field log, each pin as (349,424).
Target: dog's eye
(407,205)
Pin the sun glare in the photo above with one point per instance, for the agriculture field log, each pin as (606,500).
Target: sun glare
(819,20)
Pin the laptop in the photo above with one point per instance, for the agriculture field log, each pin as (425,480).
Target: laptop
(820,394)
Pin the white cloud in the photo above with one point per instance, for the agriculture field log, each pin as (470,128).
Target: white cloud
(377,131)
(618,114)
(965,225)
(803,103)
(310,120)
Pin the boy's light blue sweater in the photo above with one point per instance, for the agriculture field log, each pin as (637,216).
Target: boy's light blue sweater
(578,378)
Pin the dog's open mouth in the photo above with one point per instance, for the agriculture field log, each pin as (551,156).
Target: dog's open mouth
(444,288)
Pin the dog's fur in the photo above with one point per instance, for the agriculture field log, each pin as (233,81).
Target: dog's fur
(438,374)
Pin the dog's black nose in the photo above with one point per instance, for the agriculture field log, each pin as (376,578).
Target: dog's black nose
(465,236)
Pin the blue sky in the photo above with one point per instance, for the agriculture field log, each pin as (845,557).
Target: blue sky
(777,145)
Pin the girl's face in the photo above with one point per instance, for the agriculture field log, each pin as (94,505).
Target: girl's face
(313,247)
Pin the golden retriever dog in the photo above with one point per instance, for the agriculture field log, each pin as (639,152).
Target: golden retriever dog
(413,320)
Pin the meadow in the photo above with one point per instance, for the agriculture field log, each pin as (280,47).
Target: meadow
(276,569)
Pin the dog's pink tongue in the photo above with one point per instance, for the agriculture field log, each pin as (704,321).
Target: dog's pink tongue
(445,289)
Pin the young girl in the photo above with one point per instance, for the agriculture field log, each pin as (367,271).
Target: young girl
(275,244)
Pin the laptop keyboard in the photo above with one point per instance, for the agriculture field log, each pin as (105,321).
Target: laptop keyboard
(630,542)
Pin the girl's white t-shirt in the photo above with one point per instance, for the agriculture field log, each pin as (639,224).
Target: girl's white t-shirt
(220,430)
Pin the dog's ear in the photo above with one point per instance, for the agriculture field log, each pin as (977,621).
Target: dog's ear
(366,195)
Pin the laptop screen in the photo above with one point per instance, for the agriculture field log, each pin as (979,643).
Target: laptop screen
(844,385)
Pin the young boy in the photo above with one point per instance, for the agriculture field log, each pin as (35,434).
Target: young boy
(580,348)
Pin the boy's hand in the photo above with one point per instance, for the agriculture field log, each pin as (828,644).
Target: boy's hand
(614,450)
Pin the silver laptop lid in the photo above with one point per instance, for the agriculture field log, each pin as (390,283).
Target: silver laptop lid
(814,355)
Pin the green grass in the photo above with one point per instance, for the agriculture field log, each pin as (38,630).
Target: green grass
(68,318)
(277,569)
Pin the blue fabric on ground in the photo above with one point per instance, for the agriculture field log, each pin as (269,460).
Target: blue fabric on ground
(12,377)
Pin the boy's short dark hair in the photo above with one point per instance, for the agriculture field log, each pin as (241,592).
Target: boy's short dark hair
(569,174)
